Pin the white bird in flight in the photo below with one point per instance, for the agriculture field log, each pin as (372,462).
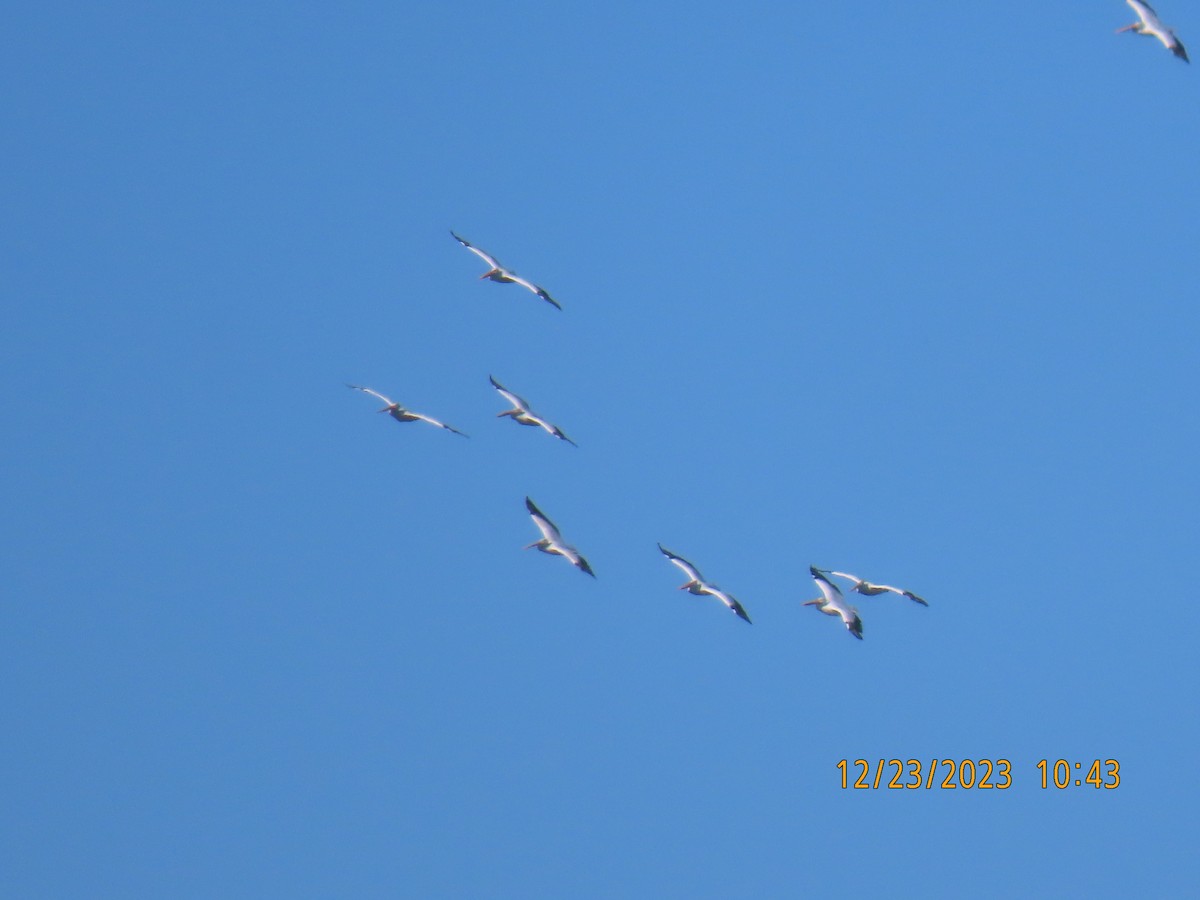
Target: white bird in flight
(552,541)
(865,587)
(1150,24)
(499,273)
(698,586)
(522,414)
(400,414)
(834,604)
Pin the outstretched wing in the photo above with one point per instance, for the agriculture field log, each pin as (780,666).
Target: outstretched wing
(901,591)
(689,570)
(579,562)
(831,591)
(1144,11)
(545,526)
(853,622)
(433,421)
(541,292)
(485,256)
(512,398)
(729,600)
(848,577)
(549,427)
(556,431)
(388,400)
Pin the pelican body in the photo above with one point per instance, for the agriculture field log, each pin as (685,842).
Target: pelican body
(698,586)
(1151,25)
(552,540)
(498,273)
(834,604)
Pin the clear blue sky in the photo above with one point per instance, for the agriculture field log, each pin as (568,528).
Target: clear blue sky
(908,291)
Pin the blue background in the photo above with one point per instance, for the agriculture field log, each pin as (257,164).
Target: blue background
(907,291)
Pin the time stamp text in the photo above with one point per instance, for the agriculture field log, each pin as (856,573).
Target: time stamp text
(973,774)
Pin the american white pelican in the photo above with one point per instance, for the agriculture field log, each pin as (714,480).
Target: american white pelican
(497,272)
(834,604)
(865,587)
(698,586)
(400,414)
(552,541)
(522,414)
(1151,25)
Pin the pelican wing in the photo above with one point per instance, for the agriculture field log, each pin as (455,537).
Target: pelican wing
(901,591)
(512,398)
(550,428)
(541,292)
(545,526)
(1176,47)
(556,431)
(853,622)
(578,561)
(433,421)
(486,257)
(832,592)
(388,400)
(689,570)
(848,577)
(1146,13)
(728,599)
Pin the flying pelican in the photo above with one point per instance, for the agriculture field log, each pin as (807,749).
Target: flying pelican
(497,272)
(400,414)
(698,586)
(522,414)
(552,541)
(833,604)
(1152,25)
(865,587)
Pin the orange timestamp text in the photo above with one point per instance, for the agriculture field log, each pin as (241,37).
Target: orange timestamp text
(915,774)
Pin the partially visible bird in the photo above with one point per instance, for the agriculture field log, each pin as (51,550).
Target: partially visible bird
(697,585)
(552,541)
(1150,24)
(522,414)
(865,587)
(834,604)
(400,414)
(499,273)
